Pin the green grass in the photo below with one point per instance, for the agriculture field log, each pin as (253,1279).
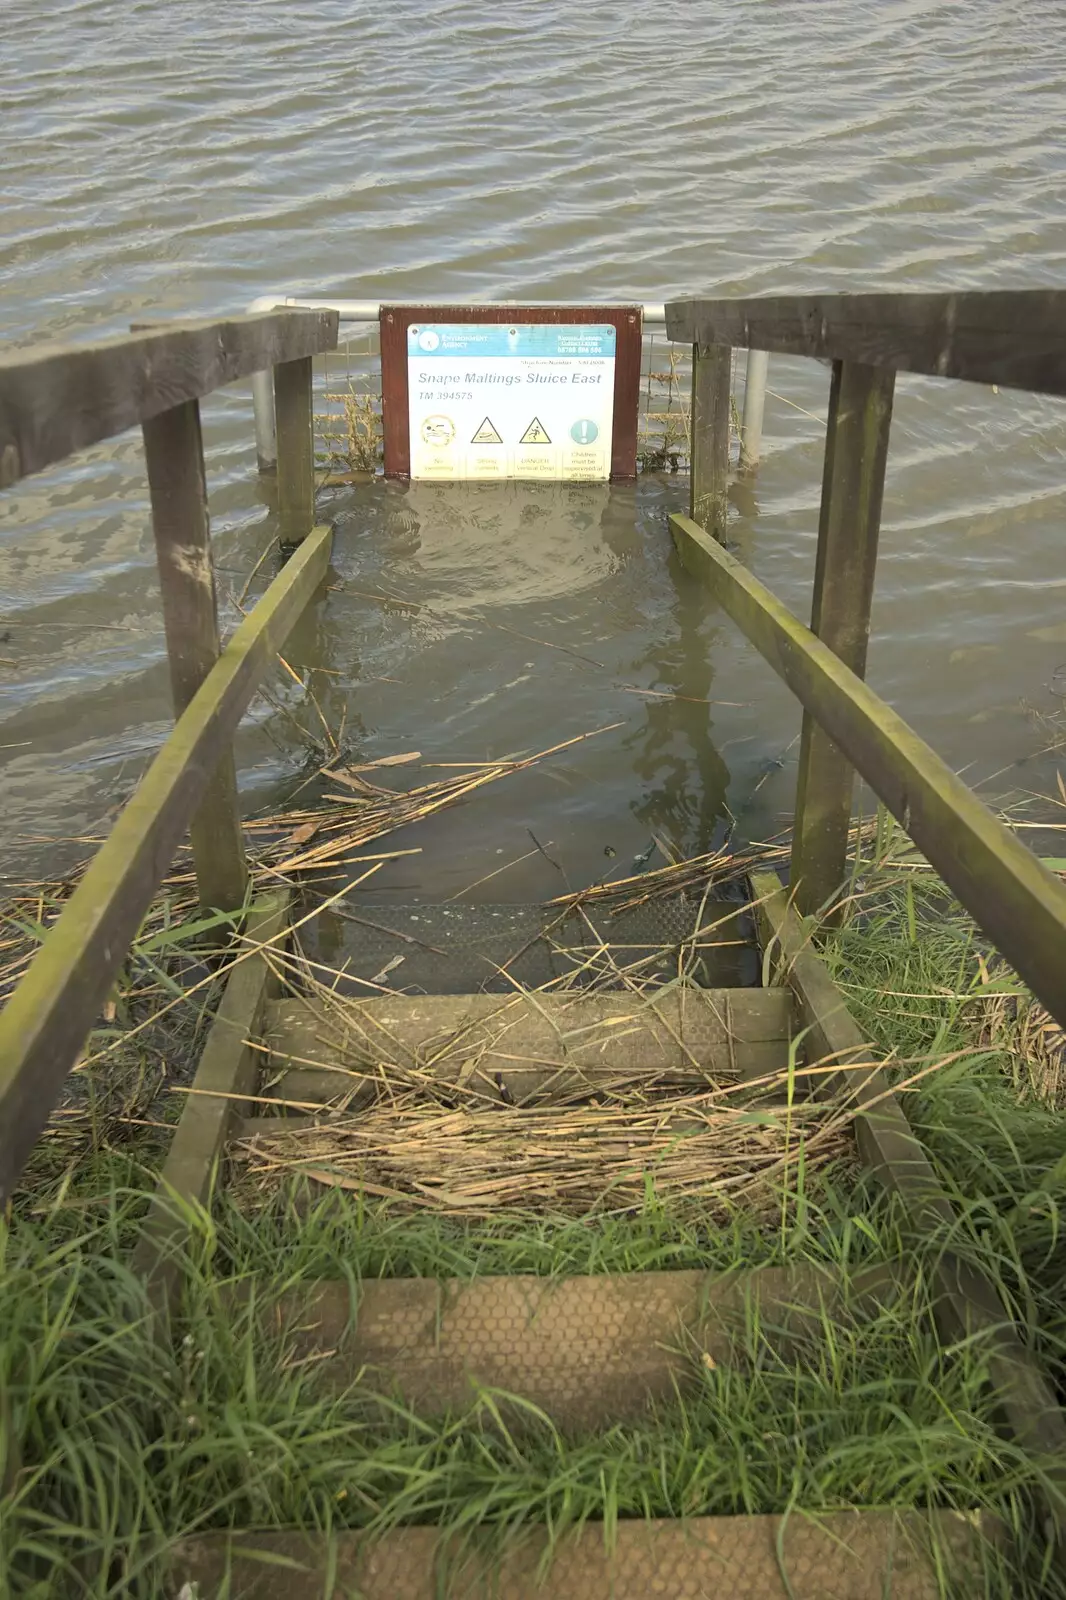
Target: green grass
(910,963)
(128,1442)
(125,1442)
(327,1233)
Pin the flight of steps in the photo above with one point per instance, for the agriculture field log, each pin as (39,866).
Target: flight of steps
(590,1352)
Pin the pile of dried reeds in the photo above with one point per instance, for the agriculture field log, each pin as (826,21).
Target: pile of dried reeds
(1028,1035)
(571,1160)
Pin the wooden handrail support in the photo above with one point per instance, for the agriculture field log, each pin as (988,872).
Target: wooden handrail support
(1018,903)
(1013,337)
(45,1023)
(57,399)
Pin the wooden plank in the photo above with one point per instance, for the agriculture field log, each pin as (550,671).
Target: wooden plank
(55,399)
(1014,337)
(709,443)
(805,1555)
(44,1025)
(969,1304)
(395,408)
(588,1351)
(294,414)
(856,452)
(173,449)
(1017,902)
(228,1067)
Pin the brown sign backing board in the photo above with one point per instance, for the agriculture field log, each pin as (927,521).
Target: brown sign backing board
(395,399)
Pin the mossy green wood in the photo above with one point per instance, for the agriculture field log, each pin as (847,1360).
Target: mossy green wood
(229,1067)
(294,420)
(856,452)
(969,1305)
(173,449)
(709,443)
(1017,902)
(45,1023)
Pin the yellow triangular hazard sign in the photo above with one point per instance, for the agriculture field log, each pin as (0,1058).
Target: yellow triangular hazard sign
(486,434)
(536,433)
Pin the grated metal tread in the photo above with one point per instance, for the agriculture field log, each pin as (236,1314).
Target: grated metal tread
(589,1351)
(840,1555)
(460,949)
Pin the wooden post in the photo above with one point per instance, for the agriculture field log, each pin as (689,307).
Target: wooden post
(294,421)
(709,445)
(1016,902)
(856,451)
(174,451)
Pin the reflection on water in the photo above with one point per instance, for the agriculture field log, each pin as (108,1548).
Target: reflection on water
(610,151)
(684,776)
(518,618)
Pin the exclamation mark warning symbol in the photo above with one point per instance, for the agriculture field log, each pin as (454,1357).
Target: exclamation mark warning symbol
(584,432)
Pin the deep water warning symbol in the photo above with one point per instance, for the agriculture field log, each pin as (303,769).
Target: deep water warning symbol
(536,433)
(486,434)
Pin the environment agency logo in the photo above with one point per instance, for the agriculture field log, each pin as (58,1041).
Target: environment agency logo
(428,339)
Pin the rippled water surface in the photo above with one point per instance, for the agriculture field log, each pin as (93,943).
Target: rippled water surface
(187,158)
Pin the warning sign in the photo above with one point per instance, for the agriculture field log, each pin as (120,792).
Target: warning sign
(438,430)
(550,386)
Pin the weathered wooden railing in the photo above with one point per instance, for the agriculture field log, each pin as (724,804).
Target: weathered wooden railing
(56,400)
(1014,339)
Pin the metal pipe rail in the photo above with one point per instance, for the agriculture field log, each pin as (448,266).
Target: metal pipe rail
(353,312)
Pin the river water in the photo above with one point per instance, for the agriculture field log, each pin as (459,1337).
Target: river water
(184,159)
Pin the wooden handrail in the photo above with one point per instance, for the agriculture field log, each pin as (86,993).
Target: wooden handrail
(1017,902)
(1014,337)
(57,399)
(45,1022)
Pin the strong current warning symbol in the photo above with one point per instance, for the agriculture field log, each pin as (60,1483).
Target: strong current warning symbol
(536,433)
(486,434)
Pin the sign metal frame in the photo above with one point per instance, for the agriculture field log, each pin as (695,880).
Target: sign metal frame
(395,396)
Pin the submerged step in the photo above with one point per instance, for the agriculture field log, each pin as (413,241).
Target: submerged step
(839,1555)
(589,1351)
(524,1048)
(471,949)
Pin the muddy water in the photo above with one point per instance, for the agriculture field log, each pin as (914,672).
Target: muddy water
(153,168)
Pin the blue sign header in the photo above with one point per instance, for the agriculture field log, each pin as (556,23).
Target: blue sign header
(528,339)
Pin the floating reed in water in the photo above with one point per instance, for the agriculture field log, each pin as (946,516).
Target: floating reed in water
(314,839)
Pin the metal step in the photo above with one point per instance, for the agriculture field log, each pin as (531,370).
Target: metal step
(840,1555)
(589,1351)
(524,1049)
(463,949)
